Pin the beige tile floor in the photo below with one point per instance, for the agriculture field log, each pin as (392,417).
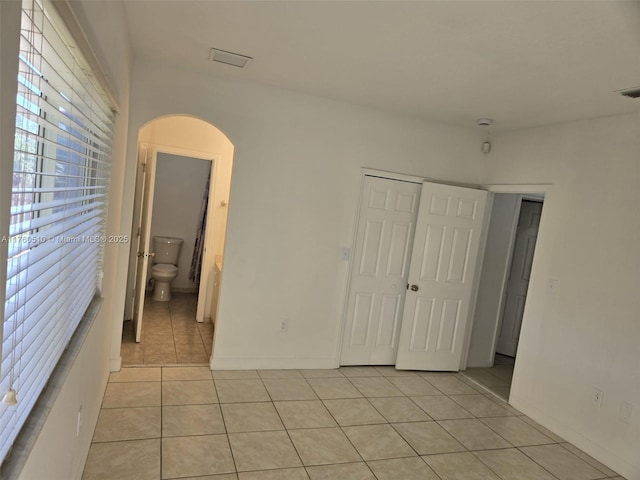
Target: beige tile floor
(170,334)
(354,423)
(496,379)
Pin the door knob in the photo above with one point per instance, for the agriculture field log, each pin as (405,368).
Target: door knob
(415,288)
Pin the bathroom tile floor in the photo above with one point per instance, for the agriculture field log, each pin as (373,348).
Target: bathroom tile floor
(496,379)
(353,423)
(170,334)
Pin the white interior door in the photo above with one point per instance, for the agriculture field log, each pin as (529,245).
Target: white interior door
(206,285)
(443,264)
(147,169)
(135,234)
(518,283)
(386,224)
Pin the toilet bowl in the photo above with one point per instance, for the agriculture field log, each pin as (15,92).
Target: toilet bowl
(163,274)
(165,268)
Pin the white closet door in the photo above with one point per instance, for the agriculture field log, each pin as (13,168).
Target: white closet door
(443,264)
(380,268)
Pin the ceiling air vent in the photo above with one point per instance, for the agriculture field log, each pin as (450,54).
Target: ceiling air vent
(229,58)
(631,92)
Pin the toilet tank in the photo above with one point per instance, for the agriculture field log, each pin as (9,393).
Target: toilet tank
(166,249)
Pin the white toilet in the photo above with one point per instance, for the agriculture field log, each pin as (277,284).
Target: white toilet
(165,268)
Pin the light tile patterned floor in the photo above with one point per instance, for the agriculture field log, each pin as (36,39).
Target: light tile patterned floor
(354,423)
(170,334)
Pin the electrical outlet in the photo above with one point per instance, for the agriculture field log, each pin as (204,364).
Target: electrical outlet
(284,325)
(626,410)
(596,397)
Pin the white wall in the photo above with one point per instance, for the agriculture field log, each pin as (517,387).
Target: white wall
(177,207)
(495,264)
(58,454)
(293,199)
(586,333)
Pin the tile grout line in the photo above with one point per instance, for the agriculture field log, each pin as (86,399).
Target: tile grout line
(161,418)
(475,417)
(271,401)
(473,451)
(224,423)
(282,421)
(341,427)
(544,468)
(173,333)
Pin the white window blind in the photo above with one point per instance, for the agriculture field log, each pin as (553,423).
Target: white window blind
(62,153)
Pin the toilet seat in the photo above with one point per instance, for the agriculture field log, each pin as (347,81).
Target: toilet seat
(164,268)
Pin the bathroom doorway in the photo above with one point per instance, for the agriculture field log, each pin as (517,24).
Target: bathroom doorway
(177,187)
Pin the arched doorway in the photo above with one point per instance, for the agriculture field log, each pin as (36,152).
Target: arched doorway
(182,191)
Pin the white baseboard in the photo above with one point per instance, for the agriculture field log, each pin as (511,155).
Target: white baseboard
(115,364)
(272,363)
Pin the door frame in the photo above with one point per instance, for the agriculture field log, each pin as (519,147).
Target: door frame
(515,222)
(523,190)
(208,260)
(532,191)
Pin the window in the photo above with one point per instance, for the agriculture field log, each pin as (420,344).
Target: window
(64,126)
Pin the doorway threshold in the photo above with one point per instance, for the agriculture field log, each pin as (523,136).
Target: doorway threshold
(496,379)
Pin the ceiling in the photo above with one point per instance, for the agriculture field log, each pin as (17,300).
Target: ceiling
(523,63)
